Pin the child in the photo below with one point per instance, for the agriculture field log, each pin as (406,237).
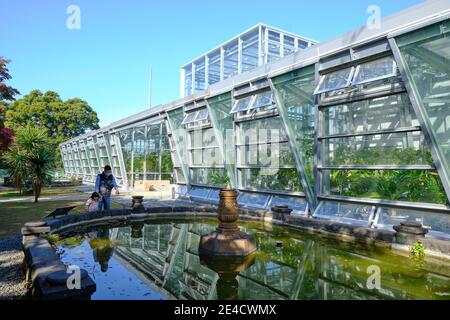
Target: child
(92,203)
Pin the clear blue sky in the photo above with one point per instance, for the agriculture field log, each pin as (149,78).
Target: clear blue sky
(106,62)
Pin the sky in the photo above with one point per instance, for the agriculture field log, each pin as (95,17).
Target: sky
(107,60)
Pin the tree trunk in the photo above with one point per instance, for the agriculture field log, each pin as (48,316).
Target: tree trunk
(37,186)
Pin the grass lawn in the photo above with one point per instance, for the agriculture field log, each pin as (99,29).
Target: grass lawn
(14,215)
(56,191)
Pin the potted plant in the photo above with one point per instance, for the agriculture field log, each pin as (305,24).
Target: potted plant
(220,179)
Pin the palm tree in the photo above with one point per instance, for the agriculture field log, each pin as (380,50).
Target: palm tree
(17,167)
(31,157)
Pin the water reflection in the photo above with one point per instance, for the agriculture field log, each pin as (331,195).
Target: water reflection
(287,265)
(228,268)
(102,247)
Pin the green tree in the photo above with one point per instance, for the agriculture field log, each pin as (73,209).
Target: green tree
(7,93)
(16,163)
(31,157)
(63,120)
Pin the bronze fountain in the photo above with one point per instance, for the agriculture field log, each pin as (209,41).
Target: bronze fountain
(227,240)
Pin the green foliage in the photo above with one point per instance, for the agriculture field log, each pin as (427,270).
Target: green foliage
(349,155)
(31,157)
(406,185)
(166,162)
(219,179)
(274,179)
(53,239)
(6,92)
(417,252)
(62,120)
(17,167)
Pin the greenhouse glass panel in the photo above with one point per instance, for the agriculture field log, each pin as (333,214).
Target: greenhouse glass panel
(126,142)
(230,67)
(426,56)
(253,200)
(241,105)
(375,70)
(275,154)
(203,138)
(188,80)
(274,46)
(214,196)
(179,175)
(260,179)
(295,95)
(403,148)
(345,212)
(138,149)
(206,157)
(335,80)
(189,118)
(262,130)
(402,185)
(199,75)
(289,45)
(179,139)
(201,115)
(198,193)
(181,190)
(219,108)
(383,113)
(214,68)
(262,100)
(203,176)
(250,51)
(436,222)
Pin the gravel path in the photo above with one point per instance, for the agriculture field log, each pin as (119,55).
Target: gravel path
(12,280)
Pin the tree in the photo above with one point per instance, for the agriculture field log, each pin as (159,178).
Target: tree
(7,93)
(16,163)
(63,120)
(31,157)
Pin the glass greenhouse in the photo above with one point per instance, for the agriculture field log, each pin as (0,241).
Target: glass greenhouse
(355,129)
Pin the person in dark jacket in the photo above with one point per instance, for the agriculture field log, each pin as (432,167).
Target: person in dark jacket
(104,184)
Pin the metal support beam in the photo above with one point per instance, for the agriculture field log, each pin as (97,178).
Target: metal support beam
(427,129)
(297,158)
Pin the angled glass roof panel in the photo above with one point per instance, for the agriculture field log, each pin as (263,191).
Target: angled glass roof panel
(375,70)
(201,115)
(359,214)
(262,100)
(335,80)
(189,118)
(253,200)
(241,105)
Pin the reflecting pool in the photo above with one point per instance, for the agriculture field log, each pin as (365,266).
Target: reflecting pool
(160,260)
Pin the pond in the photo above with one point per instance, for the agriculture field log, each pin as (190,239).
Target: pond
(160,260)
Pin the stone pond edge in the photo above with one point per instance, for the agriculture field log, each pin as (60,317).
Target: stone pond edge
(41,259)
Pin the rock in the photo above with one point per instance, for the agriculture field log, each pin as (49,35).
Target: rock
(281,208)
(35,224)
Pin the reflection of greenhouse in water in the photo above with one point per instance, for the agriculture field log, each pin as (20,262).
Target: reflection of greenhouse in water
(354,129)
(167,255)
